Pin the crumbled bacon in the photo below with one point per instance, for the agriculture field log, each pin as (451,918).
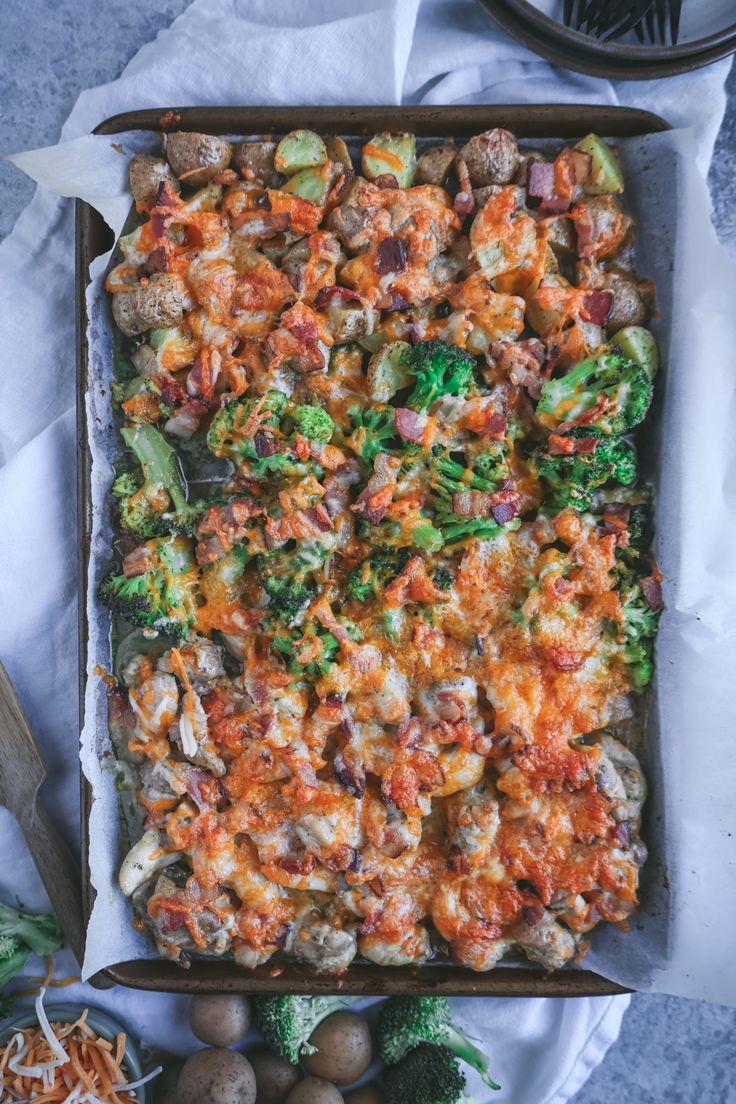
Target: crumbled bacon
(412,585)
(651,588)
(391,256)
(137,562)
(374,500)
(568,446)
(410,425)
(597,306)
(506,506)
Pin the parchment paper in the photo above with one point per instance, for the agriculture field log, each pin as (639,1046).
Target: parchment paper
(681,940)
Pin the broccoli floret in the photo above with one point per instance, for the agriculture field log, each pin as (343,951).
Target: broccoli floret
(231,436)
(288,596)
(639,628)
(447,477)
(405,1022)
(573,478)
(620,387)
(156,502)
(443,577)
(440,369)
(290,647)
(287,1022)
(455,528)
(313,422)
(428,1075)
(21,933)
(374,431)
(369,578)
(492,464)
(427,537)
(164,596)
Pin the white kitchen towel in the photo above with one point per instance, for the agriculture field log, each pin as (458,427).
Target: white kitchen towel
(247,51)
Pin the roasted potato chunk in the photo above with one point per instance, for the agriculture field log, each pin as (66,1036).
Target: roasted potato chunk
(196,158)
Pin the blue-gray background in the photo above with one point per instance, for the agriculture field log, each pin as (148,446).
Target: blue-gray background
(670,1050)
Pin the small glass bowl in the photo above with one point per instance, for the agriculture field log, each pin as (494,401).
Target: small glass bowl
(105,1026)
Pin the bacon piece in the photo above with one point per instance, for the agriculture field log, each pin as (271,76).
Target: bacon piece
(410,425)
(350,774)
(651,588)
(471,504)
(222,527)
(386,180)
(136,562)
(409,732)
(412,585)
(597,306)
(563,659)
(298,525)
(328,295)
(540,179)
(506,506)
(568,446)
(204,374)
(391,256)
(523,362)
(374,500)
(156,261)
(300,341)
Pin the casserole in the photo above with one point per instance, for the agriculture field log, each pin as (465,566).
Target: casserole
(428,120)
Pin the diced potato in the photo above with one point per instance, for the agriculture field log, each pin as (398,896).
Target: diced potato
(391,155)
(640,345)
(387,373)
(311,184)
(256,161)
(541,320)
(196,158)
(338,152)
(146,175)
(350,321)
(606,176)
(433,166)
(300,149)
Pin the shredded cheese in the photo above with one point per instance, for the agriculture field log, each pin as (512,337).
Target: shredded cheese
(65,1064)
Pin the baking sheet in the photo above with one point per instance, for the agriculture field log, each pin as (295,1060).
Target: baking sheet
(680,940)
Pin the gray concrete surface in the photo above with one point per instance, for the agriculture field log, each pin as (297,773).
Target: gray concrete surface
(670,1050)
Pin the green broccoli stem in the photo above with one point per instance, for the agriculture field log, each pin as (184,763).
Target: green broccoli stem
(461,1045)
(158,460)
(41,933)
(13,965)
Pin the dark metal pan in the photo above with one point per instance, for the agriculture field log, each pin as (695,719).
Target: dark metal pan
(94,238)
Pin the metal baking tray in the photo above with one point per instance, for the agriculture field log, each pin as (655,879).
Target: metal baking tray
(93,238)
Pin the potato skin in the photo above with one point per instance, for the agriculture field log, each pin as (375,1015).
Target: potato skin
(196,158)
(491,157)
(146,175)
(220,1019)
(255,162)
(433,166)
(217,1076)
(314,1090)
(275,1077)
(344,1049)
(148,306)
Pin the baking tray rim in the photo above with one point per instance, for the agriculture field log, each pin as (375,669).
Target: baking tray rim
(92,237)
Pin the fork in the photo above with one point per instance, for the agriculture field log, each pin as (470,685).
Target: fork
(608,19)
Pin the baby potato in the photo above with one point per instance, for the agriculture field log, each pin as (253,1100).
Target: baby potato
(256,162)
(217,1076)
(344,1050)
(146,175)
(366,1094)
(314,1090)
(219,1019)
(196,158)
(275,1077)
(433,166)
(153,305)
(491,158)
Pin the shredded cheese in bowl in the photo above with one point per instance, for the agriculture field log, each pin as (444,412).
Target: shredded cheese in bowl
(66,1063)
